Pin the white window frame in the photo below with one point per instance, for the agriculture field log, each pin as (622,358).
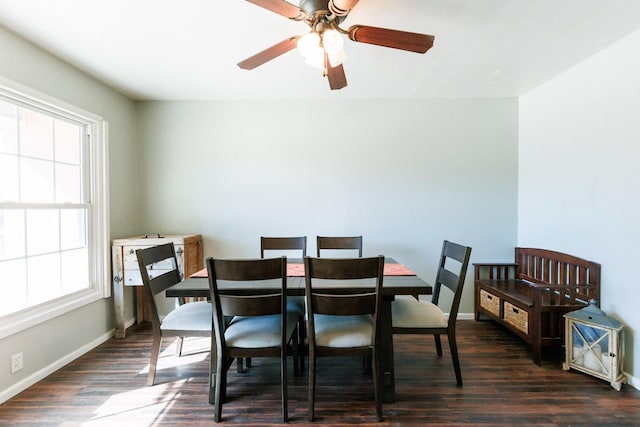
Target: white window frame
(98,233)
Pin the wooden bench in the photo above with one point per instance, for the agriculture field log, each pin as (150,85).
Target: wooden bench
(530,295)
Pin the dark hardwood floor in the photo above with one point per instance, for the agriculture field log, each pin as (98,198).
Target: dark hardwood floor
(501,386)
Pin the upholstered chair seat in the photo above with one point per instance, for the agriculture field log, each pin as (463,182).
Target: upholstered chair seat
(343,331)
(194,316)
(258,331)
(408,312)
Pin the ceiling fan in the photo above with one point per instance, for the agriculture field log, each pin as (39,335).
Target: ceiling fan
(322,46)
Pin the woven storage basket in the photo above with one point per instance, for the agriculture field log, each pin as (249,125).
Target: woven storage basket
(490,302)
(516,317)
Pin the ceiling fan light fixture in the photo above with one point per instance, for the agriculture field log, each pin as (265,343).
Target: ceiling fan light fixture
(316,59)
(337,58)
(308,44)
(332,41)
(311,48)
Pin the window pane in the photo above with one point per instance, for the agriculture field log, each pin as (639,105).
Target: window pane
(72,229)
(50,193)
(68,183)
(8,181)
(36,134)
(67,142)
(75,276)
(12,236)
(42,231)
(43,274)
(8,128)
(36,179)
(13,286)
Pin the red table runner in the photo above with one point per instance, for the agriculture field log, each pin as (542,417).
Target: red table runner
(297,270)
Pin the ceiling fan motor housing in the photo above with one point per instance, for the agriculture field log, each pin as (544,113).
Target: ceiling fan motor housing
(319,8)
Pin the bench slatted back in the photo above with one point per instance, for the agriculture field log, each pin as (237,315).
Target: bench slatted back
(544,266)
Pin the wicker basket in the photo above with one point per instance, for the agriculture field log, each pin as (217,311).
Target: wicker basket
(490,302)
(516,317)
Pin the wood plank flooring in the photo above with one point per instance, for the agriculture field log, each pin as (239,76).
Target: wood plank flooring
(106,387)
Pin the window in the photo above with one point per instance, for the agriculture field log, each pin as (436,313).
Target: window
(53,208)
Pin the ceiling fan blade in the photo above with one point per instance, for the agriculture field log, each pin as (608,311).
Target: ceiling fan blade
(281,7)
(269,53)
(413,42)
(335,75)
(342,6)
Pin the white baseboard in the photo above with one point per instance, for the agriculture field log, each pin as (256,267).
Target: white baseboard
(50,369)
(632,381)
(465,316)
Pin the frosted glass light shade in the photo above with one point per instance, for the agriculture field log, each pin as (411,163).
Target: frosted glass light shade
(332,41)
(308,44)
(337,58)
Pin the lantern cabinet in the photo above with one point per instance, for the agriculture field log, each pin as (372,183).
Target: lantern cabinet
(594,344)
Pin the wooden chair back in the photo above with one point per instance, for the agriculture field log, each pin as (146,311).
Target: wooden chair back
(283,244)
(342,242)
(159,271)
(248,302)
(454,280)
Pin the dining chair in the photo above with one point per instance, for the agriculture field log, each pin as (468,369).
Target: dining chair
(291,245)
(159,270)
(339,243)
(412,316)
(340,324)
(250,322)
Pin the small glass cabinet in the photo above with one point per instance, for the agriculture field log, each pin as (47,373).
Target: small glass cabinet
(594,344)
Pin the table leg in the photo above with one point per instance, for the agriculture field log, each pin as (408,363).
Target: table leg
(385,352)
(118,291)
(118,305)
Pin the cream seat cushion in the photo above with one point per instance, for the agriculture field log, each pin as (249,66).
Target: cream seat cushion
(258,331)
(192,316)
(407,312)
(343,331)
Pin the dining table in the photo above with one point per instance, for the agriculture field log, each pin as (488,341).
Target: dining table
(398,280)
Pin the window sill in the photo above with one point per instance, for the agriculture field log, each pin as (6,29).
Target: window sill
(24,319)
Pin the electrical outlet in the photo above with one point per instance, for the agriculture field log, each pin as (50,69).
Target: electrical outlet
(17,362)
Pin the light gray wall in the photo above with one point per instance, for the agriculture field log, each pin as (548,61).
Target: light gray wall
(405,174)
(579,174)
(51,343)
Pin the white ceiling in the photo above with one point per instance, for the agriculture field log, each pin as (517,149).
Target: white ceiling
(188,49)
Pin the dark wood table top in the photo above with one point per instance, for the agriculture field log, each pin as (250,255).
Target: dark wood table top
(392,285)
